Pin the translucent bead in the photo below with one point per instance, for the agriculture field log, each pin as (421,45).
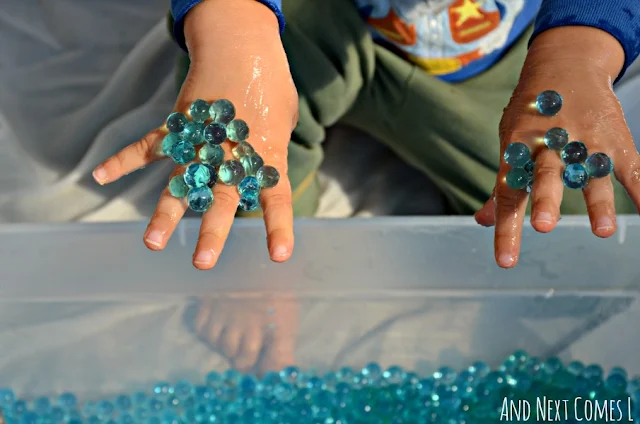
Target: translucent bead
(168,142)
(193,133)
(242,149)
(213,379)
(517,178)
(7,397)
(618,370)
(315,383)
(199,110)
(480,369)
(445,375)
(616,383)
(141,413)
(176,122)
(173,401)
(552,365)
(30,417)
(183,152)
(155,405)
(215,133)
(248,184)
(105,409)
(520,380)
(237,130)
(345,374)
(183,388)
(19,407)
(200,199)
(248,386)
(177,187)
(42,405)
(249,201)
(197,175)
(284,392)
(556,138)
(126,419)
(68,400)
(549,103)
(575,176)
(140,398)
(251,164)
(290,374)
(162,389)
(123,402)
(268,176)
(372,372)
(446,398)
(598,165)
(222,111)
(93,419)
(231,378)
(574,152)
(269,381)
(530,168)
(231,172)
(517,155)
(212,155)
(593,371)
(575,367)
(56,414)
(202,394)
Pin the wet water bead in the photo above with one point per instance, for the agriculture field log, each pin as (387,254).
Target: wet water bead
(213,175)
(242,149)
(68,401)
(251,164)
(140,398)
(199,110)
(200,199)
(168,142)
(222,111)
(616,383)
(574,152)
(268,176)
(176,122)
(42,405)
(249,184)
(183,152)
(598,165)
(155,405)
(215,133)
(530,167)
(445,375)
(124,402)
(575,367)
(105,409)
(126,419)
(517,155)
(7,397)
(372,372)
(593,371)
(231,378)
(556,138)
(480,369)
(213,379)
(183,388)
(193,133)
(19,407)
(177,187)
(549,103)
(517,178)
(231,172)
(394,374)
(197,175)
(237,130)
(575,176)
(249,201)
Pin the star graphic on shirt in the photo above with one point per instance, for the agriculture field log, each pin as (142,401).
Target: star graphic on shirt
(468,10)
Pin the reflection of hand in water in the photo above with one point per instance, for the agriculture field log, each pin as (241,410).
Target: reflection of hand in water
(254,334)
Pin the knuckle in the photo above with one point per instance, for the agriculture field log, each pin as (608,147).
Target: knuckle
(544,171)
(225,198)
(213,234)
(506,199)
(162,216)
(278,200)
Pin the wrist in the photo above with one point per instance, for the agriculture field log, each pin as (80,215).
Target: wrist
(245,18)
(585,46)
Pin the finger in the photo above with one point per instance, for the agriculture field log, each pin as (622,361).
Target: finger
(279,350)
(278,219)
(215,227)
(249,349)
(598,195)
(131,158)
(202,319)
(230,341)
(486,215)
(510,210)
(546,195)
(164,220)
(626,167)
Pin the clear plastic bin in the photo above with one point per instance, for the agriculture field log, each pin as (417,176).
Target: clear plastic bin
(88,308)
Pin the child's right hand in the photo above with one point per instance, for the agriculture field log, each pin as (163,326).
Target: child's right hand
(236,53)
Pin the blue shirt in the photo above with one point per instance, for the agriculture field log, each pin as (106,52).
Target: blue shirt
(457,39)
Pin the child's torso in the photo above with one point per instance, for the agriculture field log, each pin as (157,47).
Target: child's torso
(452,39)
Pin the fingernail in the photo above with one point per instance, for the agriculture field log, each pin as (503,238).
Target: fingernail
(203,257)
(604,223)
(279,252)
(154,237)
(506,259)
(100,175)
(543,218)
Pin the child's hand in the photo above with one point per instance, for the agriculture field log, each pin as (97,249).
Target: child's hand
(236,53)
(580,63)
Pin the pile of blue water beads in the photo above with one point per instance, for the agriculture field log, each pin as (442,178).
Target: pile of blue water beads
(579,165)
(197,143)
(370,395)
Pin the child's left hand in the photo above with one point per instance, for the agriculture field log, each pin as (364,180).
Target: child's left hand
(581,64)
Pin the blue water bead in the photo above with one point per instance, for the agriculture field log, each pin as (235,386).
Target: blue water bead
(210,154)
(549,103)
(598,165)
(56,413)
(268,176)
(213,379)
(495,380)
(168,142)
(249,184)
(105,409)
(556,138)
(30,417)
(173,401)
(155,405)
(617,383)
(183,388)
(231,377)
(123,402)
(345,374)
(284,391)
(177,187)
(593,371)
(248,385)
(520,380)
(269,381)
(249,201)
(552,365)
(445,375)
(140,398)
(517,155)
(242,149)
(170,417)
(251,164)
(394,375)
(575,367)
(530,168)
(231,172)
(371,372)
(93,419)
(7,397)
(222,111)
(480,369)
(619,370)
(183,152)
(68,400)
(176,122)
(215,133)
(197,175)
(574,152)
(202,394)
(199,110)
(42,405)
(446,397)
(126,419)
(200,199)
(290,374)
(315,383)
(19,407)
(575,176)
(193,133)
(517,178)
(237,130)
(162,389)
